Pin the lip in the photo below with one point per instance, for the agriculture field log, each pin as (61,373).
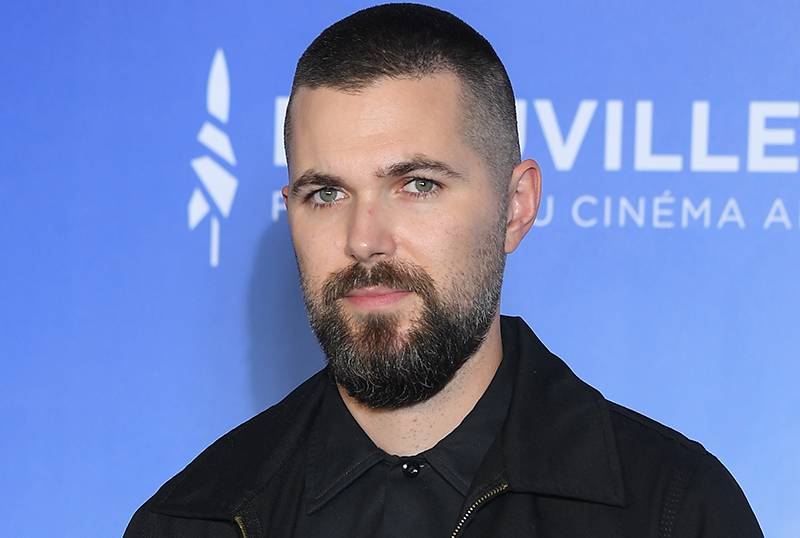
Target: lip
(375,298)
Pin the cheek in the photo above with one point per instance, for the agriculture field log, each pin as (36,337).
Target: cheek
(319,251)
(466,229)
(446,246)
(430,235)
(306,247)
(475,243)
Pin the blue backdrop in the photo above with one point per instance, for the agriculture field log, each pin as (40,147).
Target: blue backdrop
(148,291)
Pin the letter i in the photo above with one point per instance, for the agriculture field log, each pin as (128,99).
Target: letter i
(613,156)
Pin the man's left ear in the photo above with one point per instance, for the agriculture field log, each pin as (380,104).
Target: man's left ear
(524,195)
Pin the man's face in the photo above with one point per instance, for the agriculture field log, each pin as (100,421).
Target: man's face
(398,233)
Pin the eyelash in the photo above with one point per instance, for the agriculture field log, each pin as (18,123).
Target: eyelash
(432,192)
(315,204)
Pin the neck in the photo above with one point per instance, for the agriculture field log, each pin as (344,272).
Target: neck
(409,430)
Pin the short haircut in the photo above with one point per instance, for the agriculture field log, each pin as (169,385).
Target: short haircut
(411,41)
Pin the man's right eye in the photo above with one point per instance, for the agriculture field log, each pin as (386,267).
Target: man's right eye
(327,195)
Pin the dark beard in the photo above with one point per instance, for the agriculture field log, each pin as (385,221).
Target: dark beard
(383,369)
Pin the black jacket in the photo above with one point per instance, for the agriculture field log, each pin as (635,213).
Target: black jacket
(567,464)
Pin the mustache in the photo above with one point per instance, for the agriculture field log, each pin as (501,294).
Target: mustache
(399,275)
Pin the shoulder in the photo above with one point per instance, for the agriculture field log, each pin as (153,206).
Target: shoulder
(638,432)
(250,455)
(653,457)
(608,449)
(699,496)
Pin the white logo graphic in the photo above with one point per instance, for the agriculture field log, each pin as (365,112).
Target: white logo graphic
(219,183)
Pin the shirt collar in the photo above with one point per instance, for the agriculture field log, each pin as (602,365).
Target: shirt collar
(457,457)
(340,451)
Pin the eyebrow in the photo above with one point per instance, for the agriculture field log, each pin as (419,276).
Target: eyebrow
(398,169)
(317,179)
(419,164)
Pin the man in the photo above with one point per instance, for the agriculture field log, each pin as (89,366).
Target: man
(434,417)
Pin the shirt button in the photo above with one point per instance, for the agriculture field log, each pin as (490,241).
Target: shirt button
(411,469)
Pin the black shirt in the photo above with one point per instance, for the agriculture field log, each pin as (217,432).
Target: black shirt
(353,488)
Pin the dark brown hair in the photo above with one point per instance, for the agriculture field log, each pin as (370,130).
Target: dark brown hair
(402,41)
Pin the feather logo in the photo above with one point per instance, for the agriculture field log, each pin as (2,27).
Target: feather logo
(219,183)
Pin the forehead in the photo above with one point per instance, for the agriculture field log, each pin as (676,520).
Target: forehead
(389,120)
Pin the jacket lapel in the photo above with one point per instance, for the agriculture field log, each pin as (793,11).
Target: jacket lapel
(558,439)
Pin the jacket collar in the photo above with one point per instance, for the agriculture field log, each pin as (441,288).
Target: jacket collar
(558,437)
(557,440)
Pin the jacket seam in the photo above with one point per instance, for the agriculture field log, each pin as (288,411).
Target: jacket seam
(247,499)
(611,474)
(675,493)
(670,434)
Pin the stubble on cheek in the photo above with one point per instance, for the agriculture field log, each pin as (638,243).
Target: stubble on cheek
(390,359)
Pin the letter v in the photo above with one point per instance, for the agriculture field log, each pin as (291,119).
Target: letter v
(564,152)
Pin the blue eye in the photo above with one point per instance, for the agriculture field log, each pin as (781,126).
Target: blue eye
(327,195)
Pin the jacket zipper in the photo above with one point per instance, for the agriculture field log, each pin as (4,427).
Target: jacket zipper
(240,522)
(483,498)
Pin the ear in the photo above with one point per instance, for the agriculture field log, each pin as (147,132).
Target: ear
(524,195)
(285,193)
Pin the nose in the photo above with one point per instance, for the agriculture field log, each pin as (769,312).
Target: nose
(370,236)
